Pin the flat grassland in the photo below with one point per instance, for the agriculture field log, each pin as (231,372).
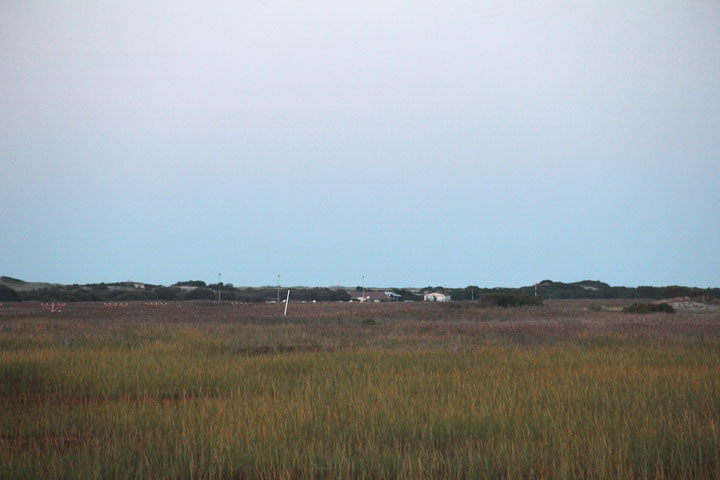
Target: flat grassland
(210,390)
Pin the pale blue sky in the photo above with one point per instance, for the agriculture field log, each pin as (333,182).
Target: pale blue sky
(412,142)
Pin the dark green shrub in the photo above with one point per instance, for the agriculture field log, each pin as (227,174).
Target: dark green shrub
(507,300)
(645,307)
(201,294)
(7,294)
(132,296)
(190,283)
(318,294)
(673,291)
(166,293)
(369,322)
(80,296)
(406,294)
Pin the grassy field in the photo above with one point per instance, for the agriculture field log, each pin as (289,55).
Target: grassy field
(427,391)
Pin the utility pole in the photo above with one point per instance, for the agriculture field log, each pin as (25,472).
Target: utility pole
(363,287)
(278,296)
(219,286)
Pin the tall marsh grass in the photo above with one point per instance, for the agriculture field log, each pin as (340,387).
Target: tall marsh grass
(165,411)
(191,401)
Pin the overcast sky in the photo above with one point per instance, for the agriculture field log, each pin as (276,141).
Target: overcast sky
(410,142)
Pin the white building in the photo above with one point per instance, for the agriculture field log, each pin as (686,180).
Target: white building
(436,297)
(368,296)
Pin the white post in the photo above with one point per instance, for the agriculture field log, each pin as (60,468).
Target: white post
(287,300)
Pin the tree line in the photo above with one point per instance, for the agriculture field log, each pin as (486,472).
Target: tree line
(199,290)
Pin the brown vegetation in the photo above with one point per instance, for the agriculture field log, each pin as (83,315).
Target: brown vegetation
(336,390)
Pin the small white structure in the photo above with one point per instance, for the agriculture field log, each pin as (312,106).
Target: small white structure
(368,296)
(436,297)
(186,288)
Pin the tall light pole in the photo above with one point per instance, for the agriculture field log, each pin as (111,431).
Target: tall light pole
(278,299)
(219,286)
(363,287)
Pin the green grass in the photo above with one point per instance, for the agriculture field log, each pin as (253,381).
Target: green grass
(184,409)
(221,393)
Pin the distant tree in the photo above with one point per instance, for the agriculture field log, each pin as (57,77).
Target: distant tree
(648,292)
(166,293)
(229,295)
(507,300)
(468,293)
(59,294)
(10,280)
(644,307)
(620,292)
(320,294)
(190,283)
(53,294)
(223,286)
(255,295)
(673,291)
(200,294)
(133,296)
(7,294)
(406,294)
(81,296)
